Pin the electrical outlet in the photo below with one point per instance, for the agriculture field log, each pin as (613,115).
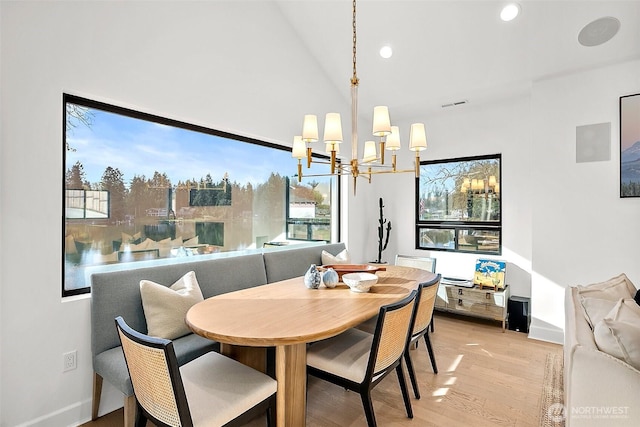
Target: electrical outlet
(70,360)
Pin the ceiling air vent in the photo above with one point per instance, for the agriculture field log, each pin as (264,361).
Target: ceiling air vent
(455,104)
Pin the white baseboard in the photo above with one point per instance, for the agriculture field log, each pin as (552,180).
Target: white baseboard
(541,333)
(71,416)
(77,413)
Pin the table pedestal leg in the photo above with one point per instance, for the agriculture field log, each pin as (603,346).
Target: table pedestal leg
(291,373)
(255,357)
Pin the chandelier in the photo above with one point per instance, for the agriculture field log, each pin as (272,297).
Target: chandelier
(489,188)
(371,163)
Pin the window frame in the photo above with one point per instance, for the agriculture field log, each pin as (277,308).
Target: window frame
(139,115)
(458,226)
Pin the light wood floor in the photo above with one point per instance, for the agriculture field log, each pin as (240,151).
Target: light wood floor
(486,378)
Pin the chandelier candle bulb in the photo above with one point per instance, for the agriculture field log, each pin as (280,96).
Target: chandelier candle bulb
(310,128)
(333,128)
(330,146)
(393,140)
(299,152)
(418,137)
(370,154)
(381,121)
(393,144)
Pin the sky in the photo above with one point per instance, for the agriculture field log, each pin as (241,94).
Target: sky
(139,147)
(630,116)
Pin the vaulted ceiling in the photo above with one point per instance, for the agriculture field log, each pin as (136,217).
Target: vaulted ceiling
(449,51)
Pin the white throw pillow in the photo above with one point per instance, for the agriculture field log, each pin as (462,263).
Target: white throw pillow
(342,258)
(596,309)
(166,307)
(618,333)
(612,289)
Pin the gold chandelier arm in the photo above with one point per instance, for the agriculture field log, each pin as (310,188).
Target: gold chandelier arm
(309,152)
(333,161)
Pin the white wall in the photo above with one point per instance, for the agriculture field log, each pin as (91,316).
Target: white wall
(563,223)
(200,62)
(1,223)
(583,231)
(473,130)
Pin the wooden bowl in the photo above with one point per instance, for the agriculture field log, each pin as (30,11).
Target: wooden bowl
(342,269)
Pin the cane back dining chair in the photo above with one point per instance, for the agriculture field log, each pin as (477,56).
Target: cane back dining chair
(424,263)
(211,390)
(358,361)
(423,313)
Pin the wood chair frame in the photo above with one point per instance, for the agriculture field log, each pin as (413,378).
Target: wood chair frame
(372,377)
(418,262)
(422,316)
(181,403)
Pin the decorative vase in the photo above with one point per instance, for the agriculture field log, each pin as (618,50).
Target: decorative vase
(312,277)
(330,278)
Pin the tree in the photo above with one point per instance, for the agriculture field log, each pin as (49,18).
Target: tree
(113,182)
(75,116)
(76,178)
(269,199)
(138,198)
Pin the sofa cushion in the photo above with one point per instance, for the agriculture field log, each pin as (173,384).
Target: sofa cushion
(165,308)
(618,333)
(612,289)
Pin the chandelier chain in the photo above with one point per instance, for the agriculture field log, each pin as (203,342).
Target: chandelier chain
(354,79)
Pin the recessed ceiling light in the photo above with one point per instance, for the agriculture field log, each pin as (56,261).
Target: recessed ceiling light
(386,52)
(509,12)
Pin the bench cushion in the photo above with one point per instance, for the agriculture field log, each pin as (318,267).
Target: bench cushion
(111,365)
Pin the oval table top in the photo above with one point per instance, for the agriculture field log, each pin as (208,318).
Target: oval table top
(286,312)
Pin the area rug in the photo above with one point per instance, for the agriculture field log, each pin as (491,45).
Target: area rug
(552,412)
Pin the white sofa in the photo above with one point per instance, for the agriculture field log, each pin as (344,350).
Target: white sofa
(599,389)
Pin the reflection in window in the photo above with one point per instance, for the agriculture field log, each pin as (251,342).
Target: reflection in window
(140,187)
(458,205)
(86,204)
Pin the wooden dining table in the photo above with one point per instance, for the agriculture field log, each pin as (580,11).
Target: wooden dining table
(287,315)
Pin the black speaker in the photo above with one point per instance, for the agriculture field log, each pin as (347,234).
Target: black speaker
(519,314)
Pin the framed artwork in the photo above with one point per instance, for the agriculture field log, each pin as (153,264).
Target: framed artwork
(630,145)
